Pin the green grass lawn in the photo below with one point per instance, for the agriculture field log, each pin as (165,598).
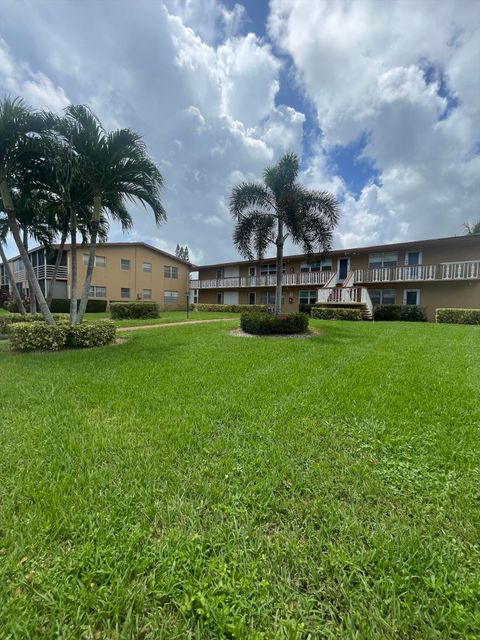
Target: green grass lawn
(165,317)
(190,484)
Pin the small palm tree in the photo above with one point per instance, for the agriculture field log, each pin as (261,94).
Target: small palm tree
(7,267)
(281,208)
(116,167)
(21,131)
(472,229)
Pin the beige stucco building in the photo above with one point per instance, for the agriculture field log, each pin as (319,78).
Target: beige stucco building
(444,272)
(123,271)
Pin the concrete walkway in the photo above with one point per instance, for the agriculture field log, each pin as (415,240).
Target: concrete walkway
(173,324)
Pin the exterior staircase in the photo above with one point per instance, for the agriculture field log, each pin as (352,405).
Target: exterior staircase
(344,294)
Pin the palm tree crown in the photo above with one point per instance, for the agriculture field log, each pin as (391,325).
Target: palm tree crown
(282,208)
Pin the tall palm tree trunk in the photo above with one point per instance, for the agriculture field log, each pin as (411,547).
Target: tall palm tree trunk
(31,294)
(11,280)
(91,258)
(278,287)
(74,276)
(15,231)
(56,266)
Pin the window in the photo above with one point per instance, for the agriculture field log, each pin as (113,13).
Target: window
(382,296)
(147,294)
(17,266)
(251,297)
(147,266)
(379,260)
(170,272)
(270,269)
(319,265)
(411,296)
(220,298)
(100,261)
(170,297)
(307,297)
(98,292)
(124,292)
(125,265)
(252,271)
(219,273)
(194,296)
(268,297)
(413,258)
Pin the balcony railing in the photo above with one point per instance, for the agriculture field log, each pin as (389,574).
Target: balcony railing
(288,279)
(42,272)
(420,273)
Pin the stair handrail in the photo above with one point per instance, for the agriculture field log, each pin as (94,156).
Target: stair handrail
(349,280)
(365,298)
(332,281)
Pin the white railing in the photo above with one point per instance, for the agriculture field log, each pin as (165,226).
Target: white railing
(397,274)
(288,279)
(469,270)
(460,270)
(42,272)
(340,295)
(349,280)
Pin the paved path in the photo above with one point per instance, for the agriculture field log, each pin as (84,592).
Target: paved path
(172,324)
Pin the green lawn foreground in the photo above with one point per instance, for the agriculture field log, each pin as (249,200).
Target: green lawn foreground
(190,484)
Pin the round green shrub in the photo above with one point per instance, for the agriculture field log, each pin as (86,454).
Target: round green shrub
(261,323)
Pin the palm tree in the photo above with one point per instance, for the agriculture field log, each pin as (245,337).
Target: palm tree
(20,134)
(115,166)
(59,178)
(472,229)
(278,209)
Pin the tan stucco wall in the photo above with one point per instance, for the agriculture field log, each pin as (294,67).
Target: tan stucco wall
(114,278)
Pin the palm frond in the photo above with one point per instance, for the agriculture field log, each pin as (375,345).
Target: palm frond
(252,233)
(250,195)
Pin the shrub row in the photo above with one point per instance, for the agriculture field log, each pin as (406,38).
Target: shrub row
(261,323)
(336,313)
(402,312)
(60,305)
(230,308)
(34,336)
(6,321)
(458,316)
(120,310)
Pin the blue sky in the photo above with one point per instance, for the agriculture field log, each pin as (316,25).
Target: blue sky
(380,102)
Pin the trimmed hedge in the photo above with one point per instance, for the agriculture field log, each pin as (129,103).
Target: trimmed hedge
(261,323)
(120,310)
(305,308)
(230,308)
(60,305)
(39,336)
(6,321)
(400,312)
(458,316)
(336,313)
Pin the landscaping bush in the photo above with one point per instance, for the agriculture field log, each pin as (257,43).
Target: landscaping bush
(39,336)
(33,336)
(91,334)
(230,308)
(336,313)
(121,310)
(60,305)
(261,323)
(458,316)
(6,321)
(400,312)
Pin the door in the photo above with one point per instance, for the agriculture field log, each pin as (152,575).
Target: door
(343,268)
(251,297)
(413,261)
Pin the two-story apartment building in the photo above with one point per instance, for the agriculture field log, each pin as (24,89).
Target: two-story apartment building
(443,272)
(123,271)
